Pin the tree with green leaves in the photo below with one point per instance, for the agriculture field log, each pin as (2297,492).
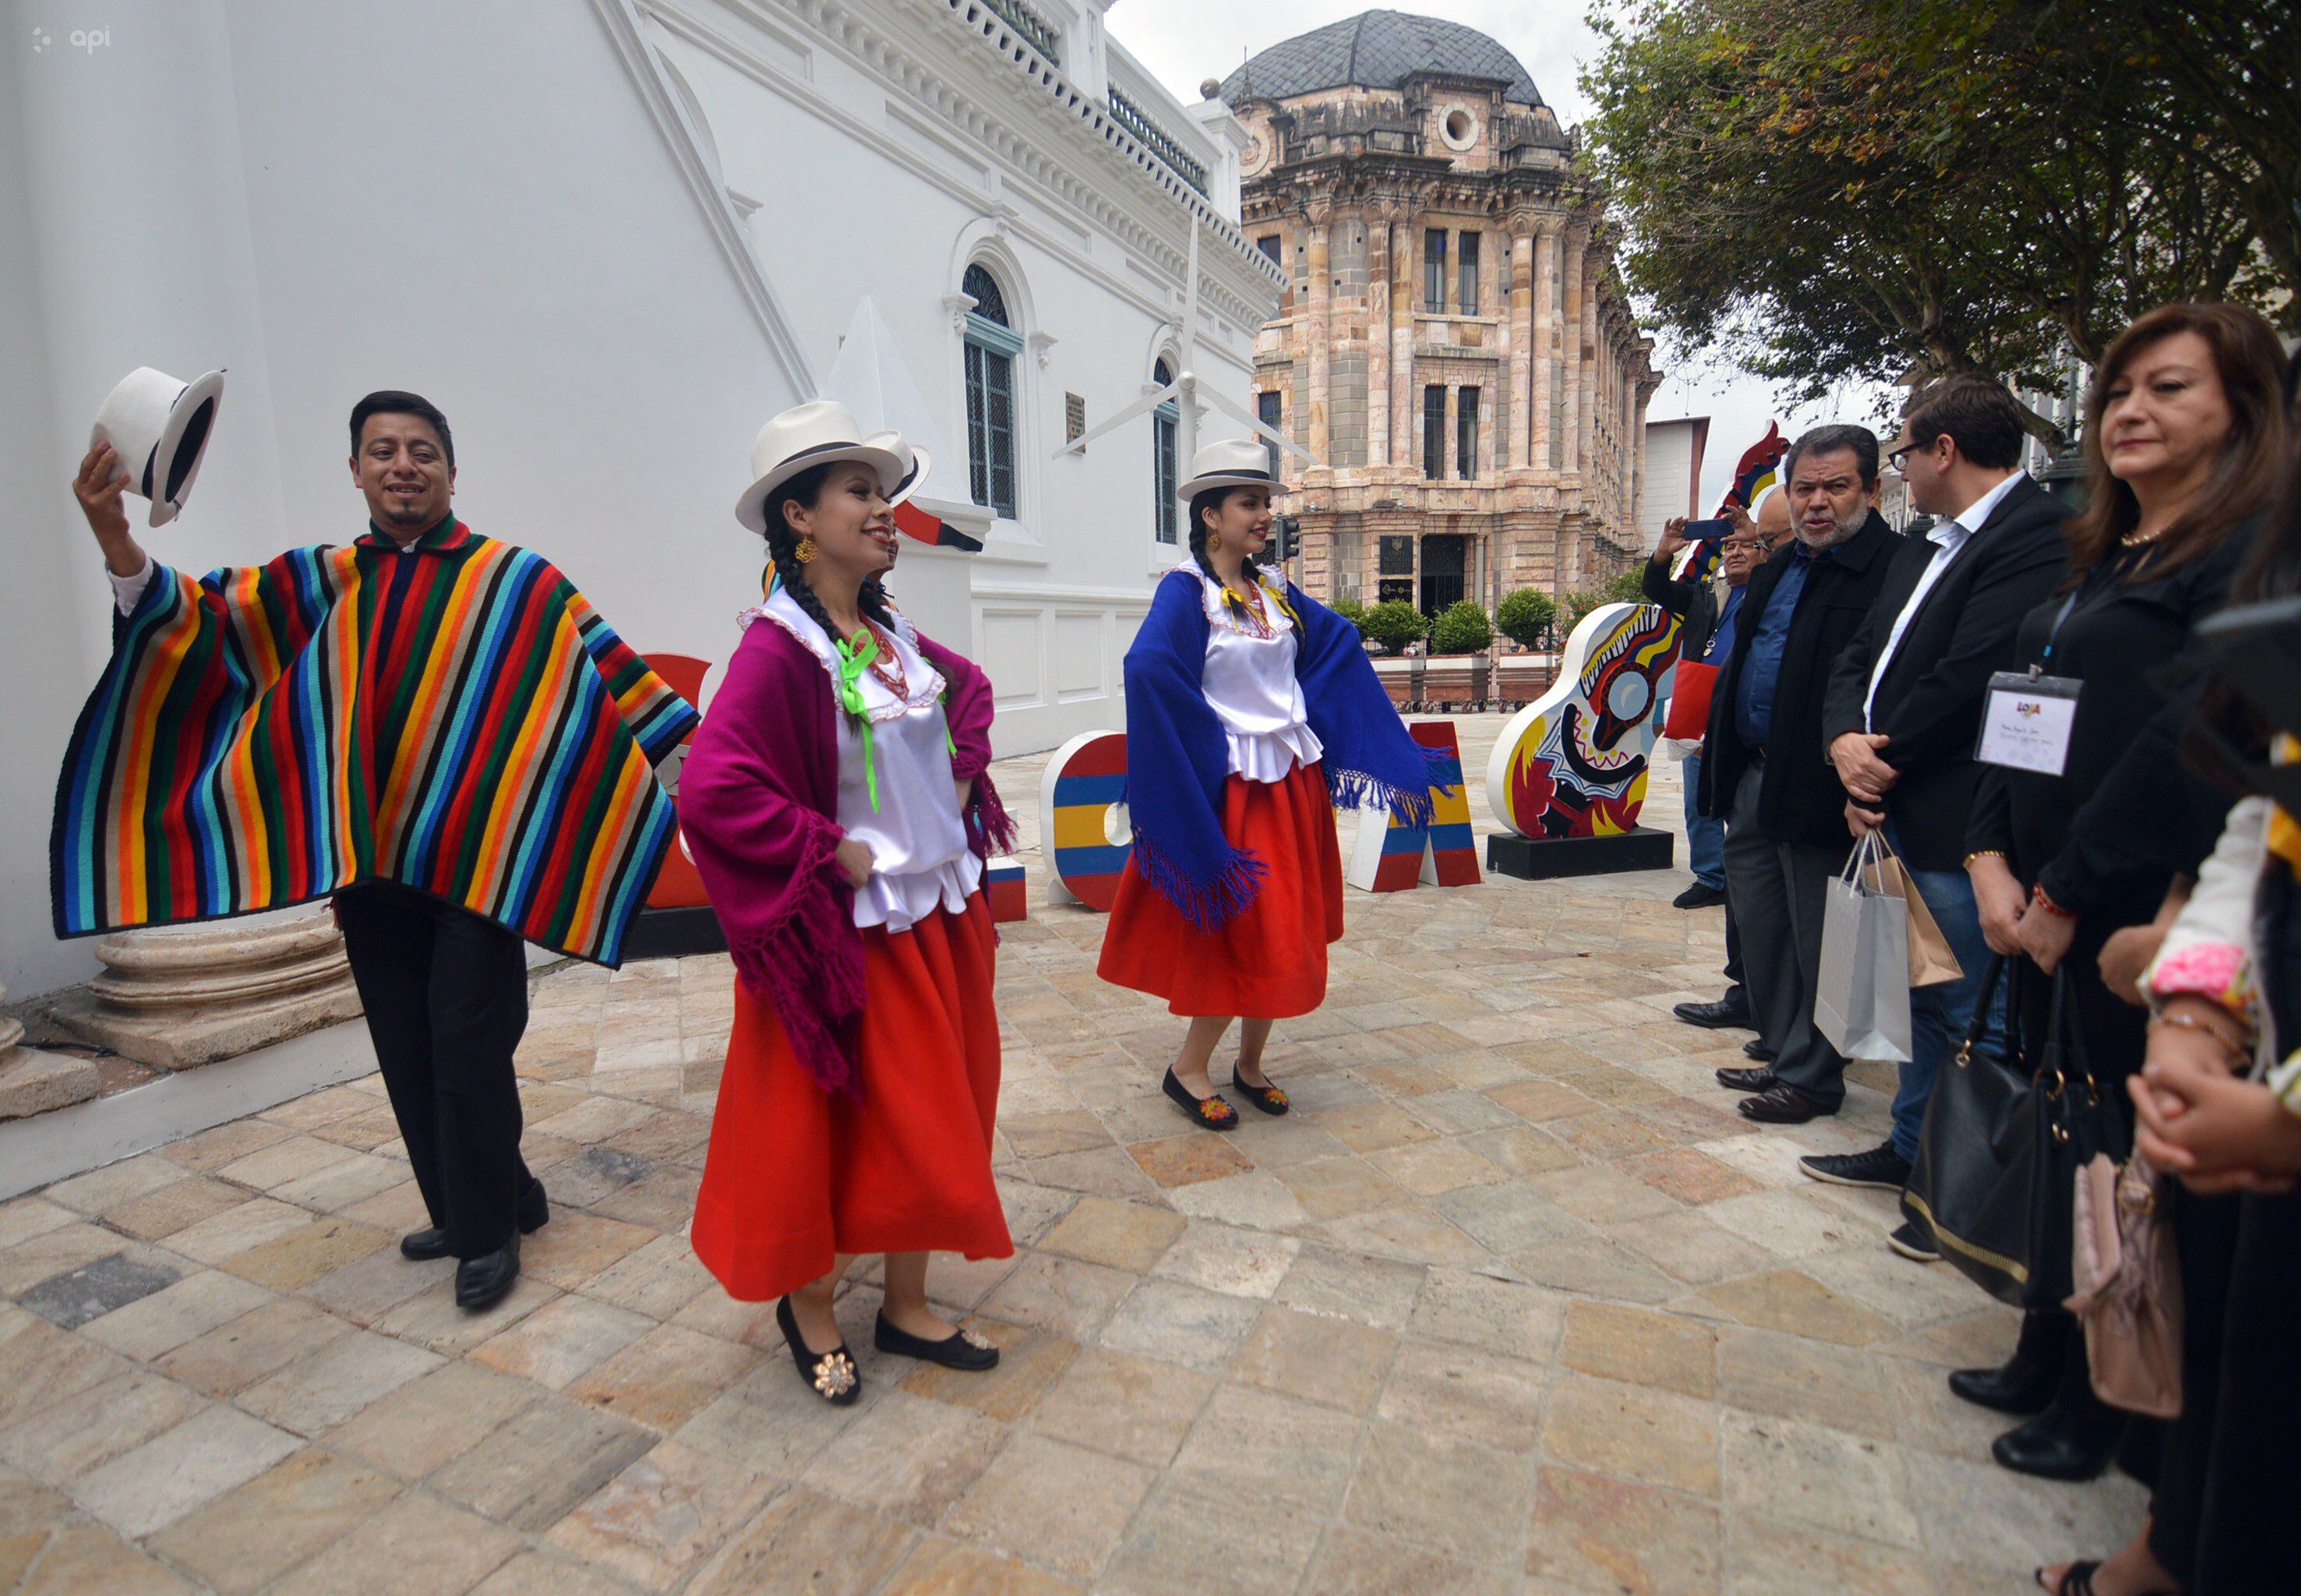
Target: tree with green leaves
(1827,190)
(1525,616)
(1393,623)
(1462,627)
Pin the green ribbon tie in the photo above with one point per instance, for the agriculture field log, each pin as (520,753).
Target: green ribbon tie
(853,661)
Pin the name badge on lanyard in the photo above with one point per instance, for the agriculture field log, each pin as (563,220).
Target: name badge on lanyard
(2026,721)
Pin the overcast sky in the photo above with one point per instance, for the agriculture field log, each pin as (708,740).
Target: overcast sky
(1184,42)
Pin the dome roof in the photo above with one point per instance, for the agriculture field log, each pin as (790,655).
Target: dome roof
(1377,49)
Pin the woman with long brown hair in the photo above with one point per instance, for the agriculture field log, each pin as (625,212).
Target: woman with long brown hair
(2185,440)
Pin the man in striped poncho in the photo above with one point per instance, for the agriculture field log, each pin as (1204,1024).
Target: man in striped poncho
(434,729)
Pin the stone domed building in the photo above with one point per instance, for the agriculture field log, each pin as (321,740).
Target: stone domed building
(1456,345)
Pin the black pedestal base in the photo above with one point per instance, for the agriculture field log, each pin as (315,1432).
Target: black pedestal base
(674,933)
(1547,858)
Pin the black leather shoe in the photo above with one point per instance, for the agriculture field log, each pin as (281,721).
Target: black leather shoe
(1699,896)
(421,1246)
(1913,1243)
(2024,1384)
(960,1350)
(1784,1105)
(1729,1013)
(482,1282)
(1760,1079)
(1269,1099)
(833,1374)
(1756,1048)
(2060,1444)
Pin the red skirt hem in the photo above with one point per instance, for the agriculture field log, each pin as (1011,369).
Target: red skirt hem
(1269,961)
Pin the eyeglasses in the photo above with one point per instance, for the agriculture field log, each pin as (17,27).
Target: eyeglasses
(1897,458)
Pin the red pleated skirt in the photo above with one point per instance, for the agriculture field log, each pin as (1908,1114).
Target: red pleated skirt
(1269,961)
(795,1175)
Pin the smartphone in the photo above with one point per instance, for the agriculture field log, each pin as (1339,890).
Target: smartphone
(1696,531)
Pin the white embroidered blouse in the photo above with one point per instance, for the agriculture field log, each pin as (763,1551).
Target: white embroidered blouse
(920,860)
(1249,679)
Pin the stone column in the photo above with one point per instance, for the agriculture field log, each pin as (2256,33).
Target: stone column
(1378,337)
(1513,425)
(32,1082)
(1405,408)
(176,998)
(1546,343)
(1588,383)
(1318,335)
(1572,362)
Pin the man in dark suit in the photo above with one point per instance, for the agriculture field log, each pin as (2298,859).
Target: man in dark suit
(1766,769)
(1903,708)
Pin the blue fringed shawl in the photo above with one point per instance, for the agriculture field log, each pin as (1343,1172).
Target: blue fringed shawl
(1177,756)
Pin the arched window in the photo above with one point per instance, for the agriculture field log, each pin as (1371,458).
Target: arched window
(992,347)
(1165,421)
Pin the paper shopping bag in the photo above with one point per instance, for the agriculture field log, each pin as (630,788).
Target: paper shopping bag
(1862,1000)
(1932,961)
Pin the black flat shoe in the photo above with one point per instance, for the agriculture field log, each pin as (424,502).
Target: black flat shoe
(482,1282)
(2079,1581)
(2060,1445)
(833,1374)
(1760,1079)
(1211,1113)
(2024,1384)
(1757,1049)
(1781,1105)
(421,1246)
(960,1350)
(1269,1099)
(1729,1013)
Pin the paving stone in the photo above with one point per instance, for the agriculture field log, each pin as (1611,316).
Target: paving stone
(1377,1292)
(1773,1375)
(1352,1562)
(663,1378)
(1120,1235)
(771,1422)
(162,1213)
(28,1216)
(290,1158)
(1441,1389)
(1332,1188)
(1449,1495)
(96,1425)
(1788,1300)
(415,1547)
(247,1538)
(213,1149)
(536,1466)
(1322,1359)
(1175,1545)
(156,1484)
(807,1544)
(1060,1507)
(74,1298)
(168,1318)
(237,1230)
(1689,1247)
(41,1367)
(303,1255)
(560,1341)
(83,1558)
(1258,1447)
(662,1516)
(52,1252)
(1236,1263)
(327,1388)
(100,1190)
(657,1280)
(940,1567)
(1428,1168)
(1179,1324)
(547,1574)
(1689,1177)
(1506,1219)
(431,1319)
(1633,1432)
(1514,1320)
(237,1354)
(1640,1348)
(431,1420)
(1767,1558)
(1131,1407)
(575,1245)
(1030,1363)
(1590,1533)
(1066,1296)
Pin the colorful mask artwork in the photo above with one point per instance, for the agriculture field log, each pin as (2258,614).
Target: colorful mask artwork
(1392,855)
(1573,763)
(1086,839)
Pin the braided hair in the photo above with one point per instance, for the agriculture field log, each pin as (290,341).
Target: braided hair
(1211,500)
(783,548)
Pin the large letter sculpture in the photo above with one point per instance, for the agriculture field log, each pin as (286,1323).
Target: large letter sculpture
(1391,854)
(1573,763)
(1087,839)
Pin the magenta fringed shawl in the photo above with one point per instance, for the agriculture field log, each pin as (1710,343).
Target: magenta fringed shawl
(757,806)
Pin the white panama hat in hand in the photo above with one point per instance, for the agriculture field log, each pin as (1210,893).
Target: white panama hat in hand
(1231,462)
(159,427)
(817,433)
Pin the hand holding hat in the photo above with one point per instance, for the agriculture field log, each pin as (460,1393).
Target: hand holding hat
(158,427)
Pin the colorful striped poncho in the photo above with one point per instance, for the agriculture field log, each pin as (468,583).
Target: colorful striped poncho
(458,719)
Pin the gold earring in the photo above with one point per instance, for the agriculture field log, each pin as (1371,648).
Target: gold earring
(1214,542)
(805,553)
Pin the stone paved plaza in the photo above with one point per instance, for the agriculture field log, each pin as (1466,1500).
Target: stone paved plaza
(1512,1302)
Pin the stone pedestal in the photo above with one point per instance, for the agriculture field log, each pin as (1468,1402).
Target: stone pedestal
(32,1082)
(176,998)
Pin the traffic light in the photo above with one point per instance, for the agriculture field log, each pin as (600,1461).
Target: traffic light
(1290,539)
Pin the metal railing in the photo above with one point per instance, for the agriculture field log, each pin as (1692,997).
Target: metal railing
(1036,31)
(1155,138)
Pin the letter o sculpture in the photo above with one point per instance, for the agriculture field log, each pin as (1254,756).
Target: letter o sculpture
(1087,839)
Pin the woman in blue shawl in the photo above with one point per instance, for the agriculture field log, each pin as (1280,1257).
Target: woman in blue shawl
(1251,713)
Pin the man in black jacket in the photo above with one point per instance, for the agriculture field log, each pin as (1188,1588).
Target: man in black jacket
(1766,771)
(1904,709)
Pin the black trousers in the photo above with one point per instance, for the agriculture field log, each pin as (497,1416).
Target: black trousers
(446,994)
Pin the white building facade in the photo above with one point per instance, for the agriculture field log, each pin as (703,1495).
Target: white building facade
(609,237)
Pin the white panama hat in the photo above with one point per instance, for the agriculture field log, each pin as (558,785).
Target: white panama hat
(1232,463)
(817,433)
(159,426)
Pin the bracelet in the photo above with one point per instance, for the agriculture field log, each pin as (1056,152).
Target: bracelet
(1980,853)
(2038,896)
(2190,1021)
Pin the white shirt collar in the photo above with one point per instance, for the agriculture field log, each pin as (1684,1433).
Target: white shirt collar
(1976,516)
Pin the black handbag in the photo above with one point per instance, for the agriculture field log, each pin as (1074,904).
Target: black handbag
(1996,1178)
